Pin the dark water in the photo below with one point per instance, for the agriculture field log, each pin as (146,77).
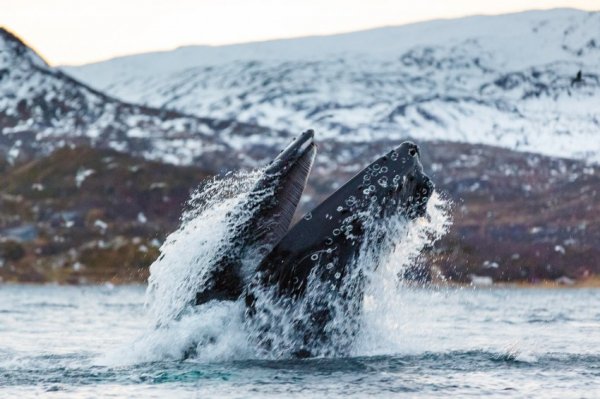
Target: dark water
(95,342)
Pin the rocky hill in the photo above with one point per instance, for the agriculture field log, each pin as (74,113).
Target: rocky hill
(90,185)
(94,215)
(42,109)
(88,215)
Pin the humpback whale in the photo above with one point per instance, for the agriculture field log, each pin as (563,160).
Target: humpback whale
(315,265)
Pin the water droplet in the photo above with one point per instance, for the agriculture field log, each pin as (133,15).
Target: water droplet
(328,241)
(308,216)
(376,167)
(314,257)
(336,232)
(340,208)
(337,275)
(329,266)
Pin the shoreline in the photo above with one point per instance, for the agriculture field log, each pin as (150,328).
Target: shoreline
(591,282)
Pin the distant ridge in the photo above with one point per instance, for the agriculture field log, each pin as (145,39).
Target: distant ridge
(88,213)
(497,80)
(330,43)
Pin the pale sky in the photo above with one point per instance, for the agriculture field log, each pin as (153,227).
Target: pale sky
(81,31)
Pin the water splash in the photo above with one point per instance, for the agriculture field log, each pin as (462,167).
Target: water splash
(383,319)
(367,323)
(188,254)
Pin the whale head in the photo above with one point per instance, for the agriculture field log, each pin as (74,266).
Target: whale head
(396,182)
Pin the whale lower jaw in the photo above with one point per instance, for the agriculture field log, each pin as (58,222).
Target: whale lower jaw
(271,204)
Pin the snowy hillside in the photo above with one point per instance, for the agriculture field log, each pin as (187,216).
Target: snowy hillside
(499,80)
(42,109)
(529,215)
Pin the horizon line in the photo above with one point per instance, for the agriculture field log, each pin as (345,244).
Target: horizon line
(280,38)
(285,38)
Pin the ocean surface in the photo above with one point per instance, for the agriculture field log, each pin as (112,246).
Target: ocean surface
(78,342)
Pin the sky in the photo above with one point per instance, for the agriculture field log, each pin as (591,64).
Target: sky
(74,32)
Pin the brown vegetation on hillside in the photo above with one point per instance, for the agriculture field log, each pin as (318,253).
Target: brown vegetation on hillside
(83,215)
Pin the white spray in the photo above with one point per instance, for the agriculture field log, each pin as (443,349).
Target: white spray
(217,331)
(188,254)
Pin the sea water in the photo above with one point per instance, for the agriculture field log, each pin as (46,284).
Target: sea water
(77,342)
(402,340)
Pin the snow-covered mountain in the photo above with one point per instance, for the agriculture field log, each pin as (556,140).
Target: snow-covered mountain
(42,108)
(508,80)
(473,80)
